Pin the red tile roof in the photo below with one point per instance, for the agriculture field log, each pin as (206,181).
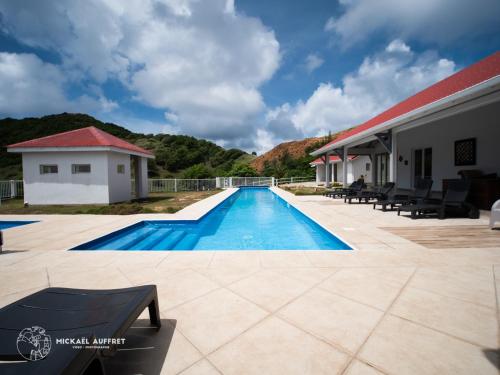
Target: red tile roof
(86,137)
(333,159)
(474,74)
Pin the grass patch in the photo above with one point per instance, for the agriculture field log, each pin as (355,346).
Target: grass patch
(155,203)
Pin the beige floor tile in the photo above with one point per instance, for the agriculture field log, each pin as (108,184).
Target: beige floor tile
(147,275)
(214,319)
(275,347)
(202,367)
(227,275)
(471,322)
(181,354)
(307,275)
(400,347)
(182,287)
(269,289)
(473,284)
(348,258)
(13,280)
(280,259)
(238,259)
(187,259)
(333,318)
(86,278)
(360,368)
(367,288)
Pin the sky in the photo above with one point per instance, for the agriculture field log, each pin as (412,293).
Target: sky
(243,73)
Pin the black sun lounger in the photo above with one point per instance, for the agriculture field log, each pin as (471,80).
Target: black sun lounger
(379,193)
(422,191)
(340,192)
(454,198)
(65,313)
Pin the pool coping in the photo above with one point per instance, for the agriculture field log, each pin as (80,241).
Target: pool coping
(218,199)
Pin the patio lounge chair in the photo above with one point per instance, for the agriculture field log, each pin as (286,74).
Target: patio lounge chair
(338,191)
(422,191)
(355,187)
(68,313)
(495,213)
(378,193)
(454,198)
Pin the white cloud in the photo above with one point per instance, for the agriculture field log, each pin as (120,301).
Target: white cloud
(379,82)
(200,60)
(440,21)
(313,62)
(31,87)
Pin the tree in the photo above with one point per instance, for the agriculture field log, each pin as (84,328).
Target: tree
(243,170)
(197,171)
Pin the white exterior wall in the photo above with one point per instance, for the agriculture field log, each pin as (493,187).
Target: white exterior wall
(120,186)
(355,168)
(481,123)
(65,187)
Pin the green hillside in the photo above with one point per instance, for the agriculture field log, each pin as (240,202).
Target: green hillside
(176,155)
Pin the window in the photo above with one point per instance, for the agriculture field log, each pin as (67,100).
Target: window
(47,169)
(422,163)
(80,168)
(465,152)
(368,167)
(120,168)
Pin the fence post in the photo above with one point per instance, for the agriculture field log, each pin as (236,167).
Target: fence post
(273,181)
(12,188)
(175,185)
(230,182)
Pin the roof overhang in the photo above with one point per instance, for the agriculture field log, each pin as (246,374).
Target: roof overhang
(484,91)
(79,149)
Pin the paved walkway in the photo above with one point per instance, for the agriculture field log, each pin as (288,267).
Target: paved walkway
(391,306)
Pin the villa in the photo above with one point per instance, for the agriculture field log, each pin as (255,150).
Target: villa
(255,279)
(83,166)
(447,128)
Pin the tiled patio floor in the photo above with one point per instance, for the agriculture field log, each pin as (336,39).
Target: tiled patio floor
(391,306)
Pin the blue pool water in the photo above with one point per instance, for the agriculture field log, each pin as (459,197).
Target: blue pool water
(251,219)
(10,224)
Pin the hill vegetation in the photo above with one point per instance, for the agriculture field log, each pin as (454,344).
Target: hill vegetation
(290,159)
(176,155)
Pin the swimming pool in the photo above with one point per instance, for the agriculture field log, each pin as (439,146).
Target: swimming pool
(6,224)
(250,219)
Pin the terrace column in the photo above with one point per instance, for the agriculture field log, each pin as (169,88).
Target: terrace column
(141,177)
(393,159)
(373,170)
(327,169)
(344,166)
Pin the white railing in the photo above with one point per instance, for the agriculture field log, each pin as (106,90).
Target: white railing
(11,189)
(294,180)
(227,182)
(163,185)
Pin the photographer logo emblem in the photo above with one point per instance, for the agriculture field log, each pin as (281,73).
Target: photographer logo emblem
(34,343)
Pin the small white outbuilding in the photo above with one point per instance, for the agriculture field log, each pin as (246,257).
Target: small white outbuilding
(84,166)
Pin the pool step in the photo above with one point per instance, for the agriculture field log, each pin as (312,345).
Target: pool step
(169,242)
(188,242)
(152,240)
(128,240)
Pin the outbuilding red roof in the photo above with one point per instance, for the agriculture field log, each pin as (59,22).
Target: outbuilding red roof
(333,159)
(474,74)
(85,137)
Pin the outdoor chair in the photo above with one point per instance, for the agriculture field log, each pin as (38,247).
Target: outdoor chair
(379,193)
(495,213)
(65,313)
(422,192)
(355,187)
(455,198)
(339,190)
